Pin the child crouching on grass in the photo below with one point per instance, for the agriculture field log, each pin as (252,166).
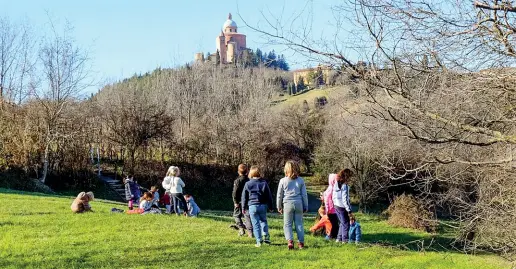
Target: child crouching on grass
(324,222)
(355,232)
(193,209)
(81,204)
(145,204)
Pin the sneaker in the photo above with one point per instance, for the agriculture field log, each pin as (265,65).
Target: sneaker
(338,241)
(290,245)
(241,232)
(258,244)
(267,239)
(301,245)
(327,238)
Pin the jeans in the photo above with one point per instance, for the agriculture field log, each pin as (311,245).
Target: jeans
(258,215)
(334,225)
(242,220)
(176,200)
(343,216)
(293,212)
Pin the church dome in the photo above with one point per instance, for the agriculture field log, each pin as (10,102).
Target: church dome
(229,23)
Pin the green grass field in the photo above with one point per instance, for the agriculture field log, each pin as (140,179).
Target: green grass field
(38,231)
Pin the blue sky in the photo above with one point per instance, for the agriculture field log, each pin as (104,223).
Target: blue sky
(128,37)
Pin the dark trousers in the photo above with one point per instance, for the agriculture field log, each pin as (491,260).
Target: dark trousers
(343,216)
(177,199)
(242,220)
(334,225)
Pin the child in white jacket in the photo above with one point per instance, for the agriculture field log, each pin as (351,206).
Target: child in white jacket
(342,204)
(173,184)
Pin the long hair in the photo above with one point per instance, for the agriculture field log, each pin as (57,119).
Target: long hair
(173,171)
(292,169)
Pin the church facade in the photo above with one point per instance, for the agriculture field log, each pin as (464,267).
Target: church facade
(230,43)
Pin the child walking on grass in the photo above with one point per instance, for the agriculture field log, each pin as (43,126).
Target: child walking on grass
(81,203)
(242,221)
(258,198)
(292,202)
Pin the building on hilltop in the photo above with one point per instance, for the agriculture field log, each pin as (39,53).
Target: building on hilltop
(230,44)
(306,76)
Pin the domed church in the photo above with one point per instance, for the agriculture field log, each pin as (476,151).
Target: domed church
(230,43)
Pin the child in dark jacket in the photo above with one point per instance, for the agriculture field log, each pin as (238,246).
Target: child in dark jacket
(257,196)
(355,232)
(132,191)
(242,221)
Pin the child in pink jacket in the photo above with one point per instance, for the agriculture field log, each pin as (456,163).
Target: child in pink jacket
(330,209)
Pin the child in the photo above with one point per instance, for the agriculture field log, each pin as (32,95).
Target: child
(132,191)
(81,204)
(238,215)
(292,202)
(355,232)
(340,198)
(173,184)
(257,196)
(155,196)
(165,201)
(193,209)
(145,204)
(323,222)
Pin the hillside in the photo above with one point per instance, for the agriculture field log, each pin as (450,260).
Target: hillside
(39,231)
(309,96)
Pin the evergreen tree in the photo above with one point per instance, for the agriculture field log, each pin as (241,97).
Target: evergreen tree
(217,58)
(207,57)
(259,57)
(282,63)
(271,60)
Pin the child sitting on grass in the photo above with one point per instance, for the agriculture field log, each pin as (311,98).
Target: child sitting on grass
(145,204)
(155,196)
(324,222)
(193,209)
(81,204)
(355,232)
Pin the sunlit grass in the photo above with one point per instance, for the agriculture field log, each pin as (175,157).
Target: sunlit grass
(41,232)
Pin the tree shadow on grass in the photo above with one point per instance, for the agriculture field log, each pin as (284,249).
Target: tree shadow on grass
(407,241)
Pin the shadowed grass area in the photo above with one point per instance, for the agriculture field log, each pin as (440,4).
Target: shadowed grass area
(39,231)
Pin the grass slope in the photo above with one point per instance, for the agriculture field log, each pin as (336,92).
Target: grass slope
(39,231)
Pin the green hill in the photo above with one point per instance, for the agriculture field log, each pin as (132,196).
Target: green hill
(38,231)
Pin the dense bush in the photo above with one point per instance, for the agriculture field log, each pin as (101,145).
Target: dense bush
(409,212)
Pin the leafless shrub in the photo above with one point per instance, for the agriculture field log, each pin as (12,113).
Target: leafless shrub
(409,212)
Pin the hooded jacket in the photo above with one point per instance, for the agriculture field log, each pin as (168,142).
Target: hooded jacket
(81,203)
(340,196)
(328,199)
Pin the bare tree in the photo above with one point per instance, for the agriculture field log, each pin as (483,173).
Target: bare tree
(65,74)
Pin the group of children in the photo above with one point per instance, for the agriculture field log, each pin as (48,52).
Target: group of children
(252,199)
(150,201)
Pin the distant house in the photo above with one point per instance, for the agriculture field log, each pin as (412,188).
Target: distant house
(308,75)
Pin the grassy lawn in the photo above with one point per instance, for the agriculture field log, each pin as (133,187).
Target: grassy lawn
(39,231)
